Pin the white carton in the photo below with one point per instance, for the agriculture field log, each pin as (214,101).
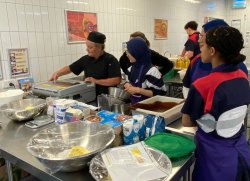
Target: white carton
(169,115)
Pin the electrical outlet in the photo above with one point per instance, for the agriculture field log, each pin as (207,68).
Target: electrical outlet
(6,83)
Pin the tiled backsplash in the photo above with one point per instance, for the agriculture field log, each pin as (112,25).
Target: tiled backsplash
(39,25)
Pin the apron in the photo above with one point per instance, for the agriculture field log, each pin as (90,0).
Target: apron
(138,83)
(220,157)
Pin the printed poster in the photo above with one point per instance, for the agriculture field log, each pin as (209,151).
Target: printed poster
(161,29)
(79,25)
(19,64)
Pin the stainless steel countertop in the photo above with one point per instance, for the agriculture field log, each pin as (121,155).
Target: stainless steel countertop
(14,137)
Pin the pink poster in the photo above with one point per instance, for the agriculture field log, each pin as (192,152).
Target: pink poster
(79,25)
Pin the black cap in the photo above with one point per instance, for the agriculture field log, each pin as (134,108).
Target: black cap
(96,37)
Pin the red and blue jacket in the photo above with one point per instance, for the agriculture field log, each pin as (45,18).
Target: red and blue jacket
(192,44)
(225,88)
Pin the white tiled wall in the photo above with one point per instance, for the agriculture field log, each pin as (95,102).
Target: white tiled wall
(244,16)
(39,25)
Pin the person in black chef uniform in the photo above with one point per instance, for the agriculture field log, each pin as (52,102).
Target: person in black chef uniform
(99,66)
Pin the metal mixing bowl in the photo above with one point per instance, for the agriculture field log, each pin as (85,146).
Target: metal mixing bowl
(99,171)
(119,93)
(23,109)
(52,145)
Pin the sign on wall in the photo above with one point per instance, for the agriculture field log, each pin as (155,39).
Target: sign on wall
(160,29)
(79,25)
(236,24)
(19,64)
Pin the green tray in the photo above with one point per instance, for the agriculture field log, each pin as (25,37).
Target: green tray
(174,146)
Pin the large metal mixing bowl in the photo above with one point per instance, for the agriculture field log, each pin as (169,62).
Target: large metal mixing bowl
(119,93)
(99,171)
(23,109)
(52,145)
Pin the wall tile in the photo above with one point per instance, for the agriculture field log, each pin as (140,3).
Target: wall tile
(56,63)
(32,44)
(21,17)
(52,20)
(24,41)
(45,19)
(12,17)
(60,18)
(10,1)
(36,2)
(43,69)
(60,43)
(4,22)
(51,3)
(6,44)
(49,66)
(59,3)
(19,1)
(15,40)
(35,71)
(54,44)
(29,18)
(40,45)
(44,2)
(38,18)
(48,44)
(6,69)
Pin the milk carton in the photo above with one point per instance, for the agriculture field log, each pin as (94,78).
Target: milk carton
(141,119)
(131,129)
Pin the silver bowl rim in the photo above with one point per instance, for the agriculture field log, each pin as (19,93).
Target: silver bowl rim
(151,149)
(76,157)
(12,109)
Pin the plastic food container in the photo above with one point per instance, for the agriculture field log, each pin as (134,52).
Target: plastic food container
(169,115)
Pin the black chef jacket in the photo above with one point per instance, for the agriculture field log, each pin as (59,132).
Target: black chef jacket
(106,66)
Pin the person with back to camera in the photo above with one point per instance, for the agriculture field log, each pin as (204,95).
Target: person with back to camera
(163,63)
(217,104)
(197,68)
(191,47)
(145,80)
(99,66)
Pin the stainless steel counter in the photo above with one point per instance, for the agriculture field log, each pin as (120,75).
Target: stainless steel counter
(14,137)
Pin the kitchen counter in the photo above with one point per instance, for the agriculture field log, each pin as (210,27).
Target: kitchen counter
(14,137)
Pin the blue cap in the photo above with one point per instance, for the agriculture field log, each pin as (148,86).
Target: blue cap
(214,23)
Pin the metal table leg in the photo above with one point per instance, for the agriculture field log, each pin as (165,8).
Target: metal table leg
(9,170)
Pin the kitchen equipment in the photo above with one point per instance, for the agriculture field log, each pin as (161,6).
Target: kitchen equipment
(39,122)
(121,108)
(119,93)
(10,95)
(169,115)
(53,145)
(24,109)
(99,171)
(67,88)
(105,101)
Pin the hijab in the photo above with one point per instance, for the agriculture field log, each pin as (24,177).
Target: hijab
(138,48)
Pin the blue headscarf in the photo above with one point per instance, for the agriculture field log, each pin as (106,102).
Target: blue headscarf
(138,48)
(214,23)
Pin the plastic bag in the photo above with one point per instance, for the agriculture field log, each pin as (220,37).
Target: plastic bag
(154,124)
